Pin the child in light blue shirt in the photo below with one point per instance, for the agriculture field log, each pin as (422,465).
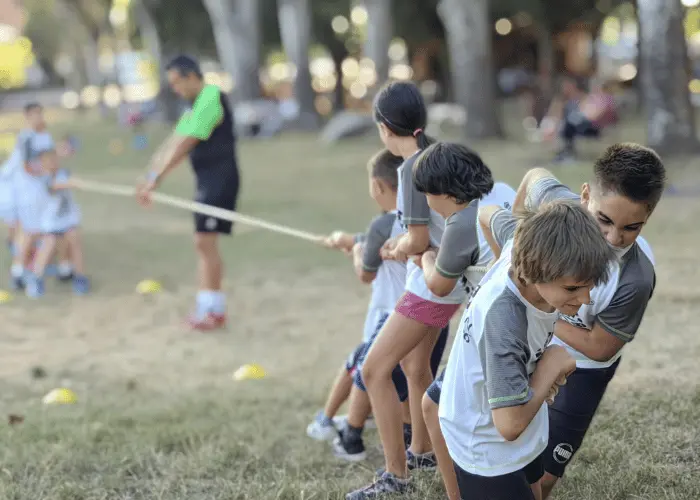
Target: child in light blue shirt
(59,219)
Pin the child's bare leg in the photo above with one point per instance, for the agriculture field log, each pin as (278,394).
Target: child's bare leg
(537,490)
(359,407)
(45,254)
(75,250)
(25,244)
(339,393)
(416,366)
(399,336)
(432,422)
(406,412)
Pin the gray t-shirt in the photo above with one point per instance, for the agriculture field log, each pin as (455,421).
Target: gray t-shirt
(459,247)
(618,306)
(378,232)
(413,205)
(503,224)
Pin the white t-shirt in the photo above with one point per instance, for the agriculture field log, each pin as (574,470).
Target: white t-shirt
(389,283)
(500,338)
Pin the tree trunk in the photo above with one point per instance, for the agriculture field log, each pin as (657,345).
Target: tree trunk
(247,41)
(295,31)
(468,33)
(670,117)
(154,47)
(379,34)
(236,33)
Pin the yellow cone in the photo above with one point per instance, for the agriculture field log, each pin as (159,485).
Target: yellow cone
(146,287)
(61,397)
(5,297)
(249,372)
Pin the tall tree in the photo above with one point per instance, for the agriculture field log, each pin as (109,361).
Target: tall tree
(468,28)
(144,15)
(295,30)
(236,26)
(379,34)
(664,57)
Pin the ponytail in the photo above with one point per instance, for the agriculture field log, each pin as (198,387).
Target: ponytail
(422,139)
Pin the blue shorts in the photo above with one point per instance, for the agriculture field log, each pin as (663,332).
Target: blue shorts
(572,413)
(397,375)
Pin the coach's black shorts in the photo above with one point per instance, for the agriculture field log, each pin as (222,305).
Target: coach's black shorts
(397,375)
(216,186)
(513,486)
(571,414)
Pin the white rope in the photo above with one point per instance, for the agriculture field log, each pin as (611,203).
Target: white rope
(219,213)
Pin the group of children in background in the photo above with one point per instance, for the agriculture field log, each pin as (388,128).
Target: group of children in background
(540,338)
(39,211)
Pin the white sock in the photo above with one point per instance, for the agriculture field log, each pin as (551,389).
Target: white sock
(218,302)
(205,301)
(65,269)
(17,270)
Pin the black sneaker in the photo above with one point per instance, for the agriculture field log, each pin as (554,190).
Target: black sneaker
(426,461)
(349,446)
(386,484)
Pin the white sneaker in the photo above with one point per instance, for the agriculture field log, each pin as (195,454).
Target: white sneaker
(341,420)
(321,429)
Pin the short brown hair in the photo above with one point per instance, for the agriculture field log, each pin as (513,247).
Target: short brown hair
(633,171)
(384,165)
(561,239)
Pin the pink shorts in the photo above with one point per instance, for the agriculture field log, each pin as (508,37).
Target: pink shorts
(424,311)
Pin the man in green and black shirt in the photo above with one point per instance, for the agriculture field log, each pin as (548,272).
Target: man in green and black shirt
(205,133)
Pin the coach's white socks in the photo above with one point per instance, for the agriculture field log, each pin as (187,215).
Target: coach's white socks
(211,301)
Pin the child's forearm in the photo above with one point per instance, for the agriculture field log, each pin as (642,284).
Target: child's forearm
(512,421)
(415,241)
(61,185)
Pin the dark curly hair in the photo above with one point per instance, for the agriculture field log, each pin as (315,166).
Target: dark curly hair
(453,170)
(633,171)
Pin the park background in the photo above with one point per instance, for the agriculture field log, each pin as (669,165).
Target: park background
(158,413)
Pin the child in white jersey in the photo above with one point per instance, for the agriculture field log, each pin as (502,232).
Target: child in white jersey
(451,175)
(33,147)
(387,281)
(628,182)
(492,407)
(413,327)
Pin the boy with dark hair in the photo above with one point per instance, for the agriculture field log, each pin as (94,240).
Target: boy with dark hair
(500,373)
(628,182)
(205,133)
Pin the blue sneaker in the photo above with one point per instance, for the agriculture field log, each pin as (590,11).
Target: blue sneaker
(81,285)
(34,286)
(16,283)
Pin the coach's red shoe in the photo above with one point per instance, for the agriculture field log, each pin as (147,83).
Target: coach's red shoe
(207,323)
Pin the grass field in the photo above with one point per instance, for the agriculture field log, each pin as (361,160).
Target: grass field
(159,416)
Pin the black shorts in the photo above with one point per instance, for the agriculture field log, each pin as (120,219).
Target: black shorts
(216,186)
(435,389)
(572,413)
(515,485)
(397,375)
